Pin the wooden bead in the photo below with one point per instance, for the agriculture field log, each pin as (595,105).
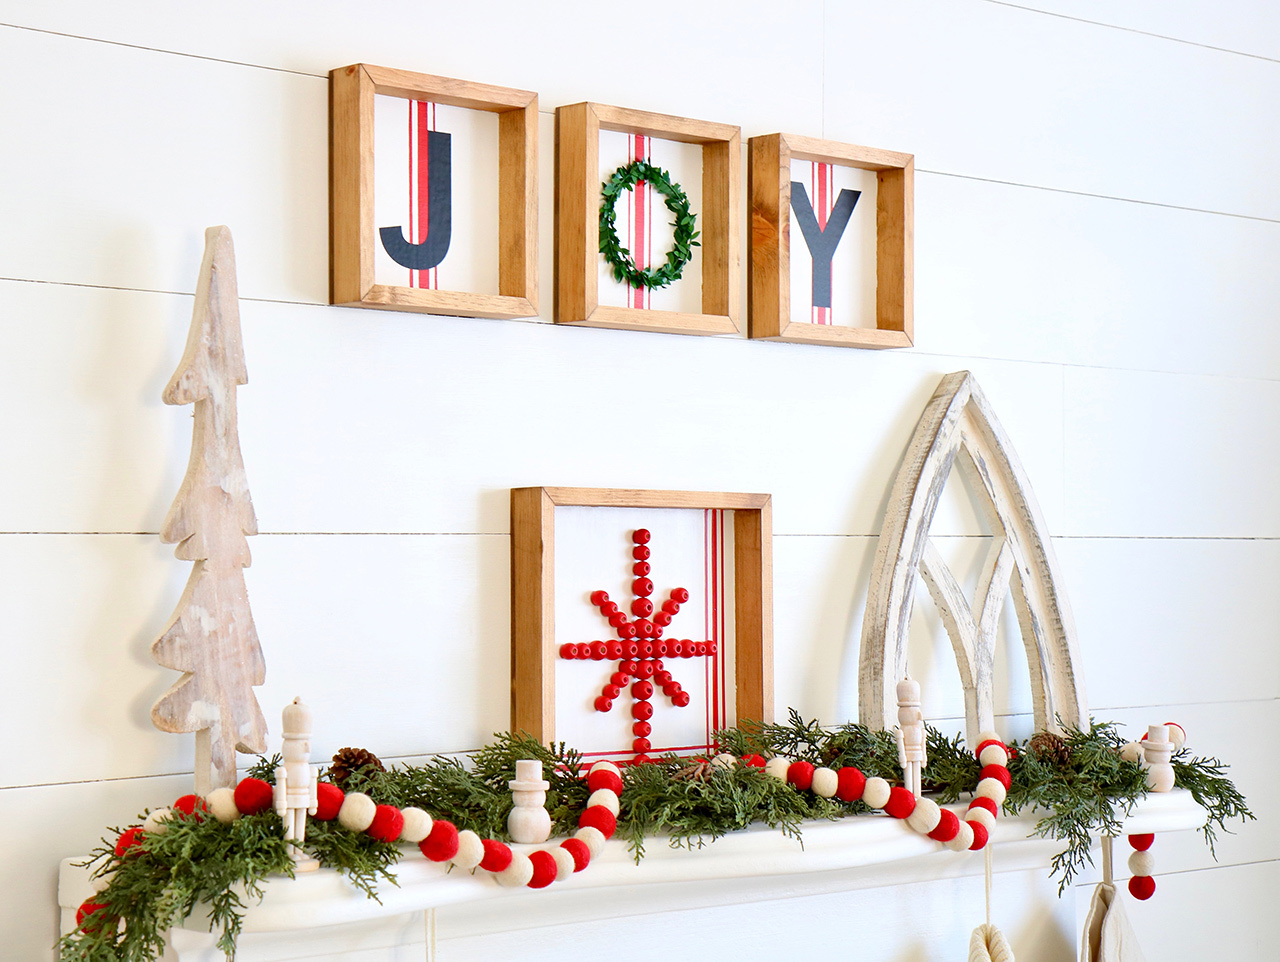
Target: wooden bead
(1177,734)
(681,699)
(992,789)
(993,755)
(679,595)
(605,766)
(417,825)
(605,798)
(470,850)
(222,805)
(724,760)
(518,873)
(641,536)
(564,862)
(777,767)
(640,569)
(593,838)
(876,793)
(825,782)
(1142,863)
(926,816)
(357,812)
(1131,752)
(982,817)
(963,838)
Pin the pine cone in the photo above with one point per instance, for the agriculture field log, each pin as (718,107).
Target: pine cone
(1051,748)
(348,761)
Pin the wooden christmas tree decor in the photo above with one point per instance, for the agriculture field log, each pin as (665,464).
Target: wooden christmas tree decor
(211,637)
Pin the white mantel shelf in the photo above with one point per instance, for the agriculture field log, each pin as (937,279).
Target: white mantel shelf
(754,865)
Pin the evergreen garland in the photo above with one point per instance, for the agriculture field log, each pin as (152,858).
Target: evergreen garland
(198,861)
(683,240)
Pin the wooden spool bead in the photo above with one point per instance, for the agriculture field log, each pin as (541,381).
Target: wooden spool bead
(876,792)
(825,782)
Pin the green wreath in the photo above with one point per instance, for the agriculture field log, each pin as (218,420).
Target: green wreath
(617,256)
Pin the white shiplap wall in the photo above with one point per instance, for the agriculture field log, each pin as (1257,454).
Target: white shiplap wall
(1098,224)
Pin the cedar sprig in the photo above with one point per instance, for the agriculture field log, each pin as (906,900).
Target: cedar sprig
(1205,779)
(1089,795)
(951,769)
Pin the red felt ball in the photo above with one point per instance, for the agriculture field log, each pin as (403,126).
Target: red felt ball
(544,869)
(603,778)
(192,805)
(87,908)
(328,801)
(387,823)
(253,796)
(1142,842)
(1142,887)
(800,774)
(578,849)
(442,844)
(679,595)
(681,699)
(980,836)
(129,838)
(597,816)
(497,856)
(988,803)
(640,536)
(850,783)
(947,827)
(990,741)
(999,773)
(755,761)
(901,802)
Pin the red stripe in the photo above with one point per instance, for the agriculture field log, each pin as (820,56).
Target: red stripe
(639,233)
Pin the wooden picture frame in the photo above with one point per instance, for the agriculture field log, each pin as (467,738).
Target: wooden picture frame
(351,184)
(769,253)
(578,187)
(533,652)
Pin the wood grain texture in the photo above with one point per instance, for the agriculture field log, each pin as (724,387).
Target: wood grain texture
(353,241)
(533,649)
(577,227)
(958,421)
(769,256)
(211,636)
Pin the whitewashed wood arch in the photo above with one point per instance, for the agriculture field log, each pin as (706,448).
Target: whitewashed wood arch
(958,418)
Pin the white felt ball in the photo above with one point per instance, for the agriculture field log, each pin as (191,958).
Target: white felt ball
(825,782)
(777,767)
(155,822)
(1131,752)
(724,760)
(221,803)
(1177,734)
(417,825)
(982,817)
(518,872)
(603,766)
(924,818)
(963,839)
(994,755)
(470,850)
(989,737)
(564,862)
(357,811)
(993,789)
(593,838)
(876,792)
(602,796)
(1142,863)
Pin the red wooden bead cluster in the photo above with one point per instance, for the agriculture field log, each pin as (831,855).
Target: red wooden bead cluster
(1141,886)
(640,647)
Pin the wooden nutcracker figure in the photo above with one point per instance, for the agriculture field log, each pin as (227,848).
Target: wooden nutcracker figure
(296,782)
(911,737)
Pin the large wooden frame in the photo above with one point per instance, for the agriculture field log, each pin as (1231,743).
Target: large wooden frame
(352,235)
(578,210)
(533,593)
(769,253)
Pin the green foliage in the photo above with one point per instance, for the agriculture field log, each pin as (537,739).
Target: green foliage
(683,241)
(1204,778)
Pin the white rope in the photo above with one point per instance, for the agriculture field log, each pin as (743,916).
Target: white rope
(429,922)
(987,872)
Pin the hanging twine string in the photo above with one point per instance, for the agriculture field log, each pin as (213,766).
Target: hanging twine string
(1106,860)
(429,922)
(987,874)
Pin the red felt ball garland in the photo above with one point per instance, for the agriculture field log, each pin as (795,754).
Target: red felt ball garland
(1141,863)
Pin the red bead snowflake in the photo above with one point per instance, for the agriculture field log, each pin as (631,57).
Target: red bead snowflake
(640,647)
